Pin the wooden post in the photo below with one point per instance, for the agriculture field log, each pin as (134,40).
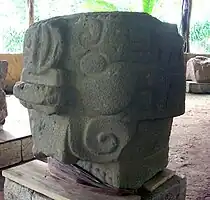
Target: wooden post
(185,23)
(30,6)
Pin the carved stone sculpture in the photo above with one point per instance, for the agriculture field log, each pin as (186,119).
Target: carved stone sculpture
(102,90)
(198,69)
(3,104)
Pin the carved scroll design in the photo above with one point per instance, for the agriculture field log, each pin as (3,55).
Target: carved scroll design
(103,136)
(43,47)
(101,140)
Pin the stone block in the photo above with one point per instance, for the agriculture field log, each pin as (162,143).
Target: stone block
(173,189)
(102,92)
(1,182)
(198,69)
(197,88)
(3,72)
(3,104)
(188,56)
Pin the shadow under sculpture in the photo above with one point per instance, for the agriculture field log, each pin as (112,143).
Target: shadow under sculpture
(102,90)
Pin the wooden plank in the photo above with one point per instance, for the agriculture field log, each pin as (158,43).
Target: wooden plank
(159,179)
(26,150)
(15,151)
(30,4)
(10,153)
(35,176)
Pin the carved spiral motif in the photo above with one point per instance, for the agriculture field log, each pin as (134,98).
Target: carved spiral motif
(42,47)
(105,136)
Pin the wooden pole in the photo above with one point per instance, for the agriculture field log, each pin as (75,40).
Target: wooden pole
(186,16)
(30,6)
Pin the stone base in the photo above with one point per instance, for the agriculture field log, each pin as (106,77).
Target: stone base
(33,181)
(197,88)
(173,189)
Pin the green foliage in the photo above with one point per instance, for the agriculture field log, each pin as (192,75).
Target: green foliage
(103,5)
(99,6)
(200,31)
(13,40)
(148,5)
(16,20)
(200,34)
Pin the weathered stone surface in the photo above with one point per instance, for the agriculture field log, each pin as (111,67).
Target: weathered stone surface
(198,69)
(129,171)
(173,189)
(3,107)
(3,104)
(113,92)
(188,56)
(3,72)
(14,191)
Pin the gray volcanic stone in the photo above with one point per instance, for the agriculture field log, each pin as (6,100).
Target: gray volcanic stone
(102,90)
(198,69)
(3,103)
(173,189)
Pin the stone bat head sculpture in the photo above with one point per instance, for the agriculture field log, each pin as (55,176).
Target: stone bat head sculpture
(102,90)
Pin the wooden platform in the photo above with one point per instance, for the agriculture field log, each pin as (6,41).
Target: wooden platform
(33,181)
(35,176)
(15,137)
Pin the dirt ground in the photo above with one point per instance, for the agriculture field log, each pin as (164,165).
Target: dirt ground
(190,146)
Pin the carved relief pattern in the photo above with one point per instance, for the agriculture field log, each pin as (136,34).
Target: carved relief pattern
(44,49)
(110,86)
(120,75)
(91,35)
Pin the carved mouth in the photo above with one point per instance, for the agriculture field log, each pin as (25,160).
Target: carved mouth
(37,93)
(45,98)
(52,77)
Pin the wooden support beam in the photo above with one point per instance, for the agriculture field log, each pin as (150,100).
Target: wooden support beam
(30,6)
